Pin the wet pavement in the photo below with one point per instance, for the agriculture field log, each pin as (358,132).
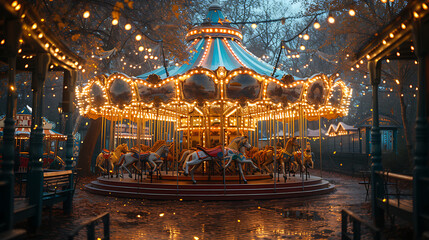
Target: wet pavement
(316,217)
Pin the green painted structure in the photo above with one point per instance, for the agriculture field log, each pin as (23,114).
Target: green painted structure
(21,28)
(410,28)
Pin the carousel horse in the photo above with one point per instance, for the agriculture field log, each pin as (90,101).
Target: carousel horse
(184,155)
(113,158)
(146,157)
(266,158)
(231,153)
(101,158)
(250,155)
(308,159)
(240,158)
(288,156)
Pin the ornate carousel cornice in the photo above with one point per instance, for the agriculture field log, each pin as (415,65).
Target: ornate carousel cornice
(332,100)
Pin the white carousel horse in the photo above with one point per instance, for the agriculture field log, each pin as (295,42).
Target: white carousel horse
(231,153)
(147,157)
(112,157)
(240,158)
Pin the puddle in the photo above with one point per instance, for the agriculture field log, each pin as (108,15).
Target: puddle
(301,214)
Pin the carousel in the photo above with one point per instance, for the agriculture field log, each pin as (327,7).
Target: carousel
(225,125)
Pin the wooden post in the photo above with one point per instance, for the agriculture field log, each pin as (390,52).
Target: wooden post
(377,189)
(13,33)
(420,192)
(35,176)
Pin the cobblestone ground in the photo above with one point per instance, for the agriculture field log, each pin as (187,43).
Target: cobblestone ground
(316,217)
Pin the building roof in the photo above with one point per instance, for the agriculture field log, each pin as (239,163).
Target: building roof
(385,121)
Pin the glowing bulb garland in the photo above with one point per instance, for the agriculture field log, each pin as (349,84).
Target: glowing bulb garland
(85,100)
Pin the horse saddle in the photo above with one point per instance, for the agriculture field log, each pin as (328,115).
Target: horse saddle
(143,156)
(212,152)
(106,153)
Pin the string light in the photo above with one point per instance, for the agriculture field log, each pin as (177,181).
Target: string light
(331,19)
(316,25)
(86,14)
(138,37)
(115,22)
(254,26)
(306,37)
(127,26)
(352,12)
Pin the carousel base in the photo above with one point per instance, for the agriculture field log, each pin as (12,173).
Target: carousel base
(260,187)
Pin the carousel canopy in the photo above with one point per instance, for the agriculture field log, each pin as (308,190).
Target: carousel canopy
(221,78)
(216,44)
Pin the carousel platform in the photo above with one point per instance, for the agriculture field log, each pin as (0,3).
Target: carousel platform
(258,187)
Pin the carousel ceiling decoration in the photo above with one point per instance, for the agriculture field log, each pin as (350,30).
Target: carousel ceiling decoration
(221,78)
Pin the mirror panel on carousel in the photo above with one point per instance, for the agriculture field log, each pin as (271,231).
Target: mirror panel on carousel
(120,92)
(316,93)
(336,96)
(96,98)
(243,87)
(278,94)
(164,93)
(199,87)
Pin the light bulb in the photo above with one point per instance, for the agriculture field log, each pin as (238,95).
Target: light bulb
(352,12)
(115,21)
(306,37)
(254,25)
(127,26)
(331,19)
(86,14)
(316,25)
(302,47)
(138,37)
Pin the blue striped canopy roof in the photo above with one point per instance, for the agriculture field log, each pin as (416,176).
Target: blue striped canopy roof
(211,50)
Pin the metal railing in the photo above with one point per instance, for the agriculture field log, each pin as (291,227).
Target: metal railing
(90,227)
(357,223)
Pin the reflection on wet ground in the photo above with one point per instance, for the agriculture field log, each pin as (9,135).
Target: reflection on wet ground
(301,218)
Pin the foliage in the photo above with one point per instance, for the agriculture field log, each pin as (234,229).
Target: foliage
(109,48)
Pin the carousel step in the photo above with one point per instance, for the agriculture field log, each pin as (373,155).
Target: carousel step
(202,184)
(227,196)
(209,191)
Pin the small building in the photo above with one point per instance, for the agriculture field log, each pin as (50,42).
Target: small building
(389,134)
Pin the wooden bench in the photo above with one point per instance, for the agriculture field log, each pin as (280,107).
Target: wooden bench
(57,186)
(402,208)
(14,234)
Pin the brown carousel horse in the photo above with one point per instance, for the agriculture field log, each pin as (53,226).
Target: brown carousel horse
(289,156)
(266,158)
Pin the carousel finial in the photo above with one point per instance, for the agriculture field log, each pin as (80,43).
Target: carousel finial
(215,5)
